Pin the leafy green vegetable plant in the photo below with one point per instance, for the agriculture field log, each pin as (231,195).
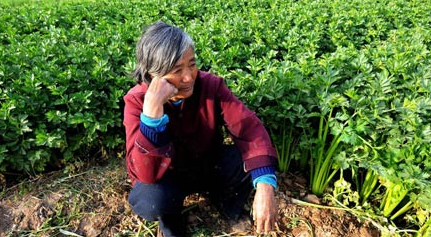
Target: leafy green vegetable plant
(322,170)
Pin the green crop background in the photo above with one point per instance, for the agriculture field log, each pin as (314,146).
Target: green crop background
(342,86)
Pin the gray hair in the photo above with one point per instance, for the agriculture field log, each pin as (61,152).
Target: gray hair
(158,50)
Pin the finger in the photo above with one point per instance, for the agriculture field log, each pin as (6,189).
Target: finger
(165,81)
(158,83)
(268,226)
(169,89)
(259,226)
(160,79)
(253,211)
(175,90)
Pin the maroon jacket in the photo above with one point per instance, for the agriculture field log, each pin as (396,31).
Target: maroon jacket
(194,130)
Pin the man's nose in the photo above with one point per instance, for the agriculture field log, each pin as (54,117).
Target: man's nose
(187,76)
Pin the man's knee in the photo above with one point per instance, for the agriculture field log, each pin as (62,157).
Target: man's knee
(142,205)
(150,201)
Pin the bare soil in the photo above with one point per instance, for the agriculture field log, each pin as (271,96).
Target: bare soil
(94,203)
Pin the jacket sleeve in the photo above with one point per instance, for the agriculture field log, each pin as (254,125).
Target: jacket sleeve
(247,131)
(145,162)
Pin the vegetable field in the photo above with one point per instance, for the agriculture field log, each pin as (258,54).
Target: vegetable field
(344,87)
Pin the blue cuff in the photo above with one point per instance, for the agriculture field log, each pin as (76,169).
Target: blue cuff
(266,178)
(157,138)
(159,124)
(261,171)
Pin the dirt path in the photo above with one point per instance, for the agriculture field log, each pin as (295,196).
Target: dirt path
(94,203)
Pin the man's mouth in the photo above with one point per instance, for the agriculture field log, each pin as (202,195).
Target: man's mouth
(187,88)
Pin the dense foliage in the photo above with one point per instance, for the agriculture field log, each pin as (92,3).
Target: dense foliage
(343,86)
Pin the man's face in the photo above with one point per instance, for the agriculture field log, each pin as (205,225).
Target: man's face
(183,75)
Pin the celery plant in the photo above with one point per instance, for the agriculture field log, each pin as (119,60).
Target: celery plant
(285,149)
(321,163)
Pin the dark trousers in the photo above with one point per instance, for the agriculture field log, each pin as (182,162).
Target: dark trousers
(224,181)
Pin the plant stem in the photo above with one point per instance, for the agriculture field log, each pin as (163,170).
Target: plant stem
(371,179)
(402,210)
